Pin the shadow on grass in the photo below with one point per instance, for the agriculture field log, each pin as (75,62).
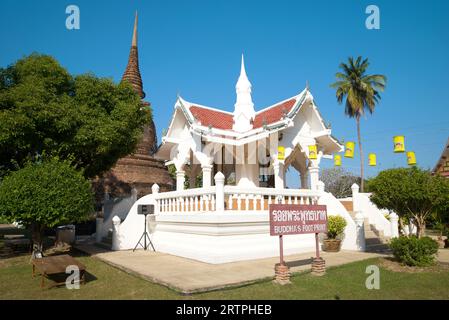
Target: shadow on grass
(59,280)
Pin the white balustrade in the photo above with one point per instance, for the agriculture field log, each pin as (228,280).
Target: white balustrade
(242,199)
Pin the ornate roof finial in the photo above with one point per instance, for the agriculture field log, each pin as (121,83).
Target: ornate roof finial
(307,85)
(244,107)
(243,84)
(132,72)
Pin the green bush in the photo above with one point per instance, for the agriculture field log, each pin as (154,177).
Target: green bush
(414,251)
(3,220)
(45,194)
(335,226)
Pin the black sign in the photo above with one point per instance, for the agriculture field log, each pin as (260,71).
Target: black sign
(145,209)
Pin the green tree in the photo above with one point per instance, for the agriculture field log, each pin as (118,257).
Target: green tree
(411,193)
(361,92)
(44,109)
(44,194)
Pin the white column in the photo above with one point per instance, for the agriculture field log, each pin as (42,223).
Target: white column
(314,176)
(359,222)
(394,219)
(180,177)
(207,175)
(278,168)
(219,191)
(115,232)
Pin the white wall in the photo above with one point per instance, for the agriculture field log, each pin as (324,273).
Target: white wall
(335,208)
(222,237)
(376,217)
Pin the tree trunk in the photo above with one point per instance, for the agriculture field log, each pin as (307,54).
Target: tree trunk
(420,226)
(359,137)
(401,227)
(37,232)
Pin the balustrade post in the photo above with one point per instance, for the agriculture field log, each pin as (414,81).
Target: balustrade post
(155,191)
(219,192)
(394,219)
(355,193)
(180,178)
(359,222)
(115,233)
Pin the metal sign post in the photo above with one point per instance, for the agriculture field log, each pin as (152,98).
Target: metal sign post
(281,250)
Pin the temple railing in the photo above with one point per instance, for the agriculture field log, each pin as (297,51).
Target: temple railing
(189,200)
(258,199)
(225,198)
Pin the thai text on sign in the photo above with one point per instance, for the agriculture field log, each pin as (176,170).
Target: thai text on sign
(297,219)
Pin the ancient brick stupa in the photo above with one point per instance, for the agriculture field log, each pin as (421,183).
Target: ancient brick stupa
(139,170)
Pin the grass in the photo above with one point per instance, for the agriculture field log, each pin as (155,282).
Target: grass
(344,282)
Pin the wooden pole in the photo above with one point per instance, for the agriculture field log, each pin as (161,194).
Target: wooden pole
(317,245)
(281,249)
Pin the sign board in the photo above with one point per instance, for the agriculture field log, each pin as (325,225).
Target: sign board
(145,209)
(287,219)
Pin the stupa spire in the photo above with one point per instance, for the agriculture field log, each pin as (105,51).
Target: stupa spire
(244,107)
(134,42)
(132,72)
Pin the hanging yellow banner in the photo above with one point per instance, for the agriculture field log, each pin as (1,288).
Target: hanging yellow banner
(399,144)
(281,153)
(349,149)
(411,158)
(372,159)
(312,151)
(337,160)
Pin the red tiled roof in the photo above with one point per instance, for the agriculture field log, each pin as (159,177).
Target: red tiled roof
(216,119)
(273,114)
(221,120)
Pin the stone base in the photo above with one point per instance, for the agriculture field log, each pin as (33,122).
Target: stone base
(318,267)
(282,274)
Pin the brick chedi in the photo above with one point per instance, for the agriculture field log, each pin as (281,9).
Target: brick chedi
(139,170)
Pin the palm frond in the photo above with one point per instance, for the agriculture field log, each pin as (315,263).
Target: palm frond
(361,91)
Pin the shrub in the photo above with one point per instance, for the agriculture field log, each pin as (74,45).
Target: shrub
(414,251)
(45,194)
(335,226)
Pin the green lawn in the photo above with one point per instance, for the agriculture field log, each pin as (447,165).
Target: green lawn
(344,282)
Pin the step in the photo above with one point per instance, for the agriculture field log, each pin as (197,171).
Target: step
(377,248)
(370,241)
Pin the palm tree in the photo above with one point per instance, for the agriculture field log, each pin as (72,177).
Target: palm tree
(361,92)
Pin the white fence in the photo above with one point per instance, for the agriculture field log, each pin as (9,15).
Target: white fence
(220,198)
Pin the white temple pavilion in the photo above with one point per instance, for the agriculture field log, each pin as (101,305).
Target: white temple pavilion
(239,157)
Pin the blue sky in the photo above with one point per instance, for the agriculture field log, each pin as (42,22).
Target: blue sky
(193,48)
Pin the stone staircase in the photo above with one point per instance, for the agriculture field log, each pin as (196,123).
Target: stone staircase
(375,241)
